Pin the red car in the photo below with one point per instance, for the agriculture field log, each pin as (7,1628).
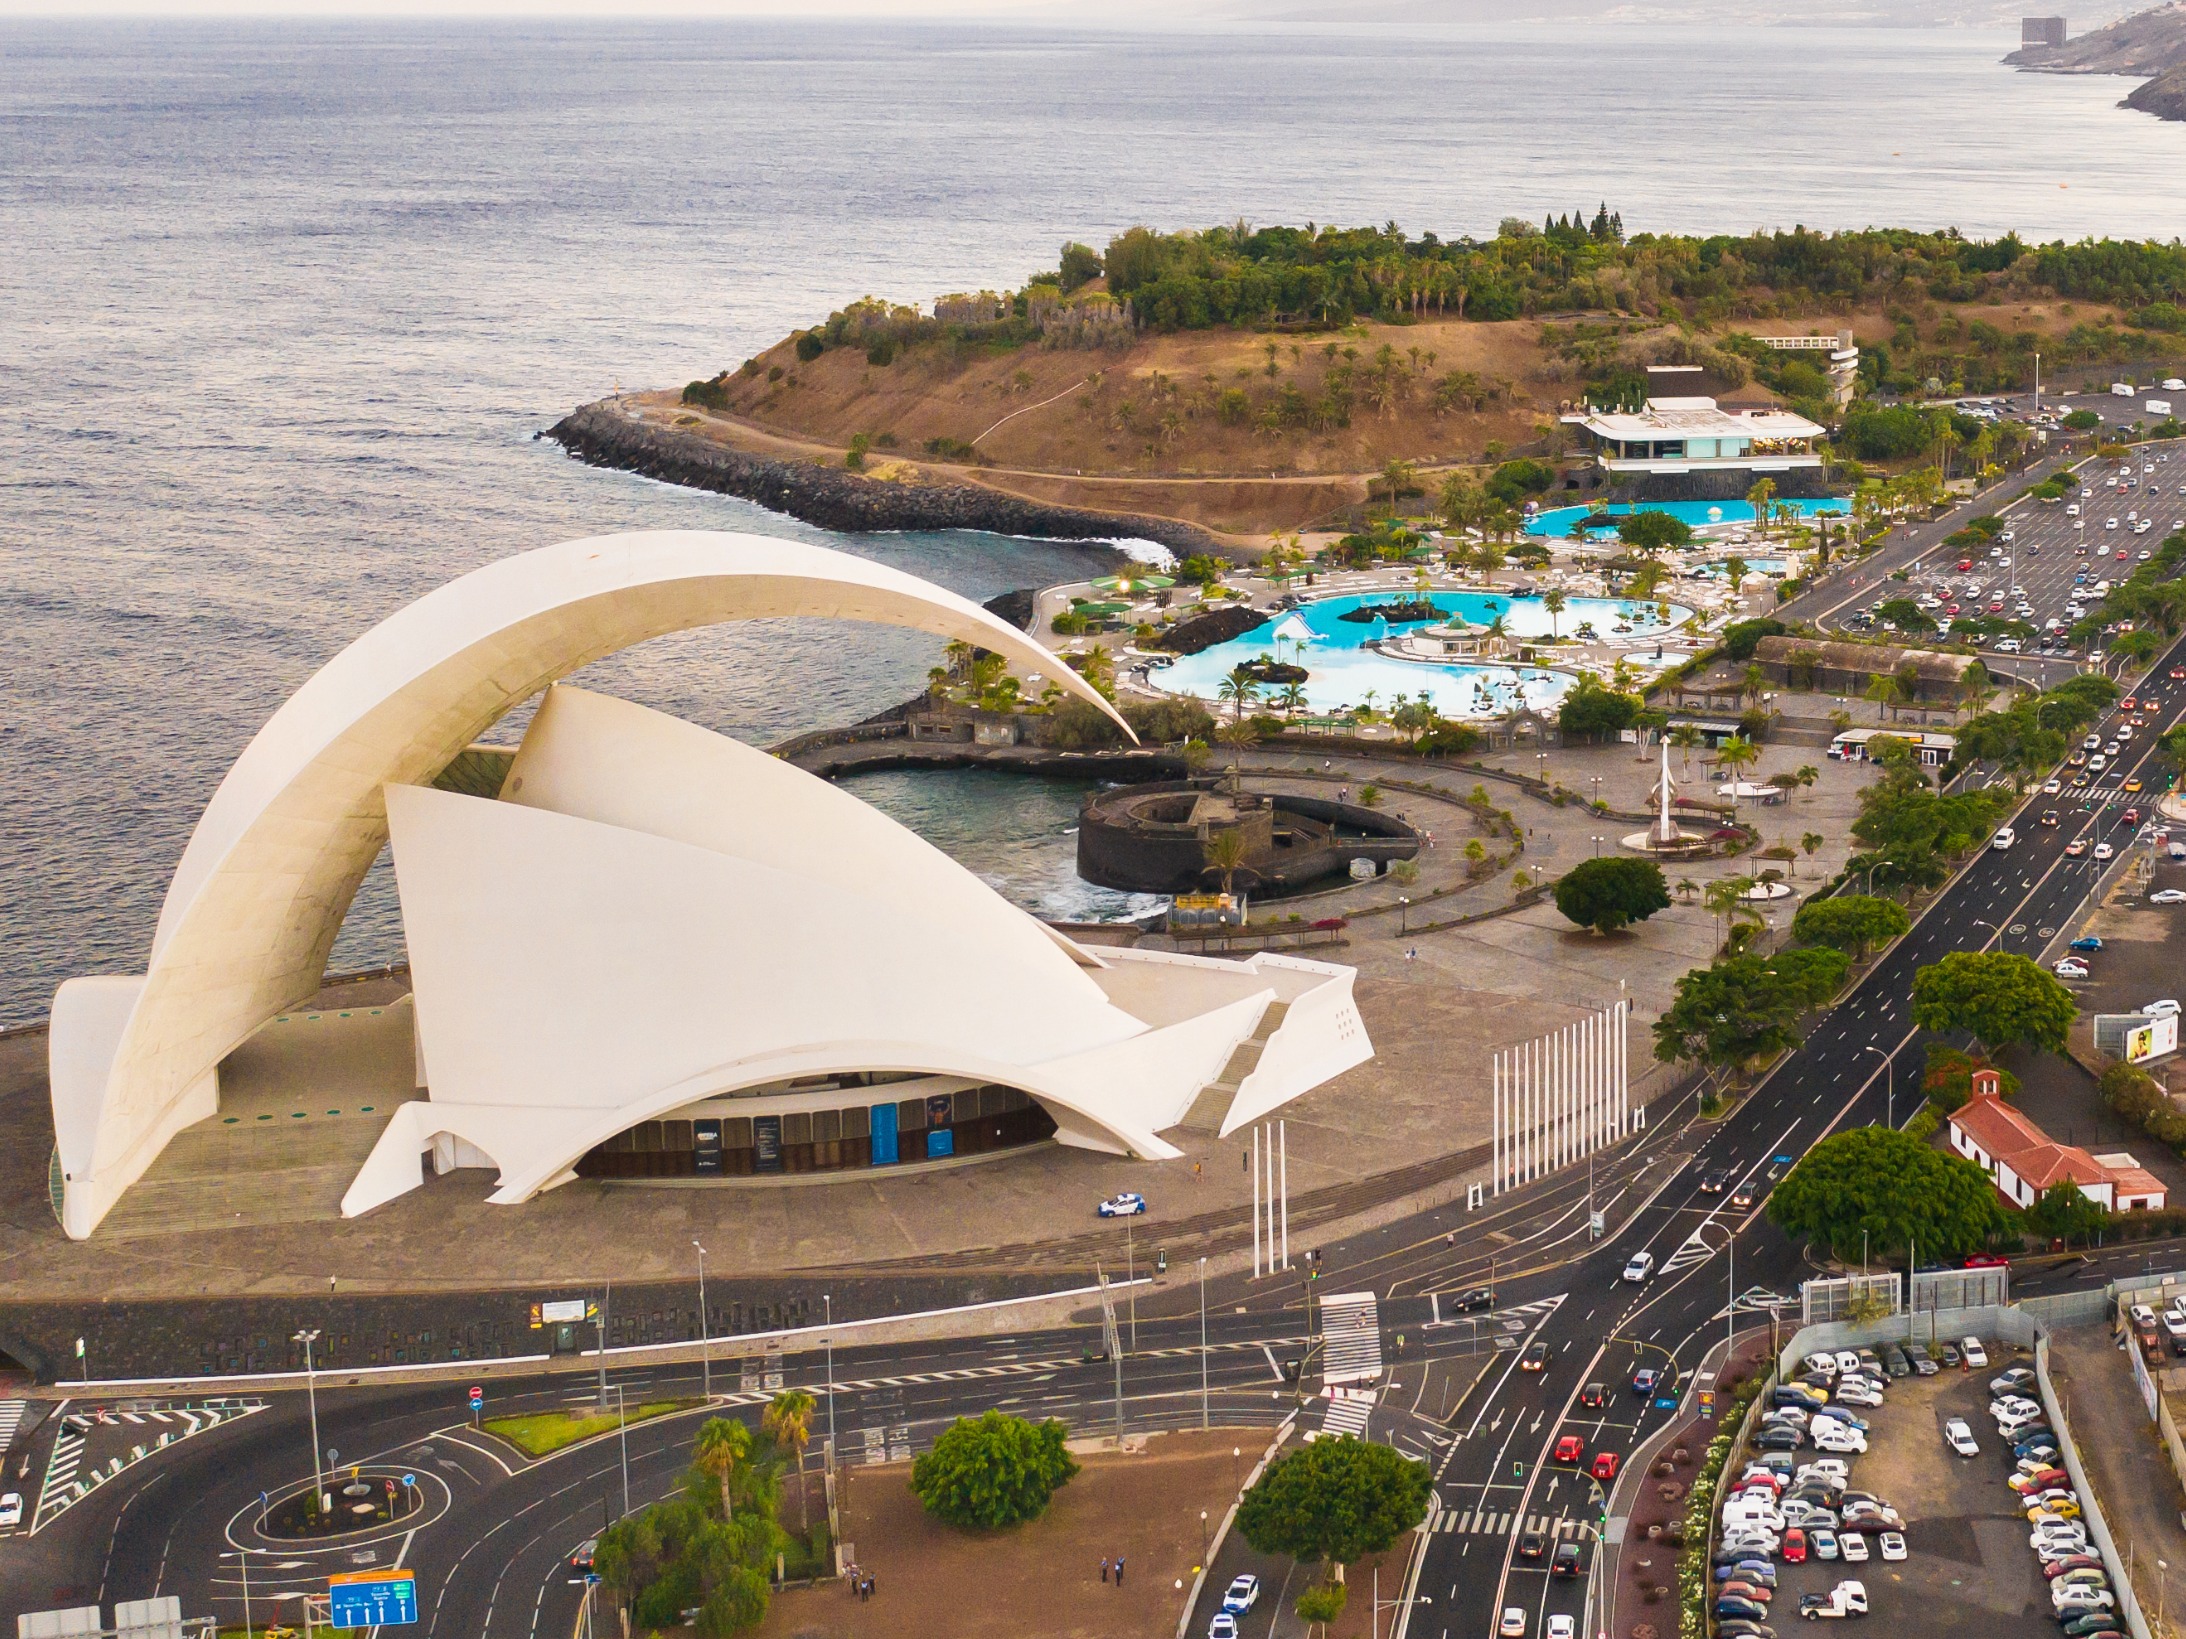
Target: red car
(1605,1466)
(2131,816)
(1569,1449)
(2128,703)
(2178,674)
(1988,1260)
(1964,565)
(1795,1546)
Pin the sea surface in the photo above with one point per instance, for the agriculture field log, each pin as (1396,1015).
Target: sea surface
(283,304)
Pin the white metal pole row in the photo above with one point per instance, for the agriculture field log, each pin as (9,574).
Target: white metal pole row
(1558,1098)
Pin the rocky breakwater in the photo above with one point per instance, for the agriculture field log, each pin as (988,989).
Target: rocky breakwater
(2149,43)
(607,435)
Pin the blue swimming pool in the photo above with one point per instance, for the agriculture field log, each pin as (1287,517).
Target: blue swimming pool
(1342,672)
(1557,521)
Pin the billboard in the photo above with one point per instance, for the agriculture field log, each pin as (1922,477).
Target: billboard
(371,1599)
(2152,1039)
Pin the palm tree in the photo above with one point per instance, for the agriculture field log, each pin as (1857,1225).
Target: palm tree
(1752,681)
(1686,888)
(1734,569)
(1759,497)
(1553,600)
(723,1447)
(1685,737)
(1224,851)
(1236,736)
(1399,476)
(1239,688)
(1292,699)
(1811,841)
(1737,754)
(788,1418)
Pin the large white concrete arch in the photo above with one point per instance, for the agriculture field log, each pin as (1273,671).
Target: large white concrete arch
(282,847)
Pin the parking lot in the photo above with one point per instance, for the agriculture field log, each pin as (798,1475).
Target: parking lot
(2052,555)
(1968,1568)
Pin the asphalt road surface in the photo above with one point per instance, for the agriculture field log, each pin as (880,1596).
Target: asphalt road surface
(492,1538)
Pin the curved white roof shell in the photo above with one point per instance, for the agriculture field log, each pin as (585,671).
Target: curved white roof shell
(280,850)
(648,915)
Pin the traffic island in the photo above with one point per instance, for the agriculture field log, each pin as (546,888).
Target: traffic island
(343,1507)
(543,1433)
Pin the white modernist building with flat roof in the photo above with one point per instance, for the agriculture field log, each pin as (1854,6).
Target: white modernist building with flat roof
(652,949)
(1672,435)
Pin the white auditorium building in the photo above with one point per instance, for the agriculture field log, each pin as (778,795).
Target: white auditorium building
(655,949)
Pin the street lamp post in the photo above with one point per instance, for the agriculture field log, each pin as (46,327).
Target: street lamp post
(622,1436)
(1404,914)
(1890,1085)
(827,1300)
(705,1332)
(308,1337)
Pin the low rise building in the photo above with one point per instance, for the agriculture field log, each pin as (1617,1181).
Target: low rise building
(2024,1160)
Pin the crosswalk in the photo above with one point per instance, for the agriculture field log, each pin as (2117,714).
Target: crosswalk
(58,1487)
(1489,1522)
(1349,1412)
(11,1419)
(67,1482)
(1350,1338)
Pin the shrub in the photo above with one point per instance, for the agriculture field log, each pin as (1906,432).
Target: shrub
(882,353)
(711,395)
(993,1471)
(854,458)
(809,347)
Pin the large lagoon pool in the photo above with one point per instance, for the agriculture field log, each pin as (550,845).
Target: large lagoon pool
(1700,514)
(1342,671)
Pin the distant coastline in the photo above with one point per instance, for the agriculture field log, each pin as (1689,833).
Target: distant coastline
(2149,44)
(604,435)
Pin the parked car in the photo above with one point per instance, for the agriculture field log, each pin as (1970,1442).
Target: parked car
(1891,1545)
(1794,1546)
(11,1508)
(1130,1204)
(1959,1437)
(1822,1541)
(1852,1547)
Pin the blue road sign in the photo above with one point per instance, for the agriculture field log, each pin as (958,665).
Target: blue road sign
(372,1599)
(1669,1404)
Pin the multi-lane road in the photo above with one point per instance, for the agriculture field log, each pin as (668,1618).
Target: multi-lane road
(491,1540)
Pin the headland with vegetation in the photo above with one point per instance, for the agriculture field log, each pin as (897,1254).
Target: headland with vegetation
(1209,389)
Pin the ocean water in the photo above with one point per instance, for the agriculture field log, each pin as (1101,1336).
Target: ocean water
(283,305)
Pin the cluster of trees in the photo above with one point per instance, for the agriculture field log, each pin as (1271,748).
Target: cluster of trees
(1852,923)
(1911,832)
(1334,1502)
(2139,1098)
(1591,708)
(710,1546)
(2032,734)
(1744,1007)
(1241,274)
(1947,1078)
(1998,997)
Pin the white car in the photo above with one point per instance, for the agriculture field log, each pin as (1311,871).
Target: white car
(2103,850)
(1853,1547)
(1834,1468)
(1130,1204)
(1224,1626)
(1561,1627)
(1847,1361)
(11,1508)
(1242,1594)
(2004,838)
(1839,1438)
(1959,1437)
(1513,1625)
(1859,1394)
(2168,896)
(1976,1357)
(1639,1266)
(1891,1544)
(2164,1009)
(2070,968)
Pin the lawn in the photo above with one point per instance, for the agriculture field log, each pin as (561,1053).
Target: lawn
(539,1433)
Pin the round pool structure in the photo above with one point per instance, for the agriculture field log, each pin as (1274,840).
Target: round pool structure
(1557,521)
(1342,669)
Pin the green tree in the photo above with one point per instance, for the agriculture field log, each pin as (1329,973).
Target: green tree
(1590,709)
(788,1421)
(1239,687)
(1224,851)
(1743,1007)
(1336,1500)
(1999,997)
(1761,498)
(1607,894)
(992,1471)
(1322,1604)
(1553,600)
(2063,1212)
(723,1446)
(1852,923)
(1907,1198)
(1653,531)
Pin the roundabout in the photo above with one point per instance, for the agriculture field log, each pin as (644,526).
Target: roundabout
(370,1502)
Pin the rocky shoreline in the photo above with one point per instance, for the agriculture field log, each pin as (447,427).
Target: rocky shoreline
(836,498)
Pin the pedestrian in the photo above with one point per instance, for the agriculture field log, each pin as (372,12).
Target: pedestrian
(1119,1570)
(1104,1570)
(872,1587)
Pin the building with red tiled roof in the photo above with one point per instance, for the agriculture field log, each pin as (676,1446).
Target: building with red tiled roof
(2024,1160)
